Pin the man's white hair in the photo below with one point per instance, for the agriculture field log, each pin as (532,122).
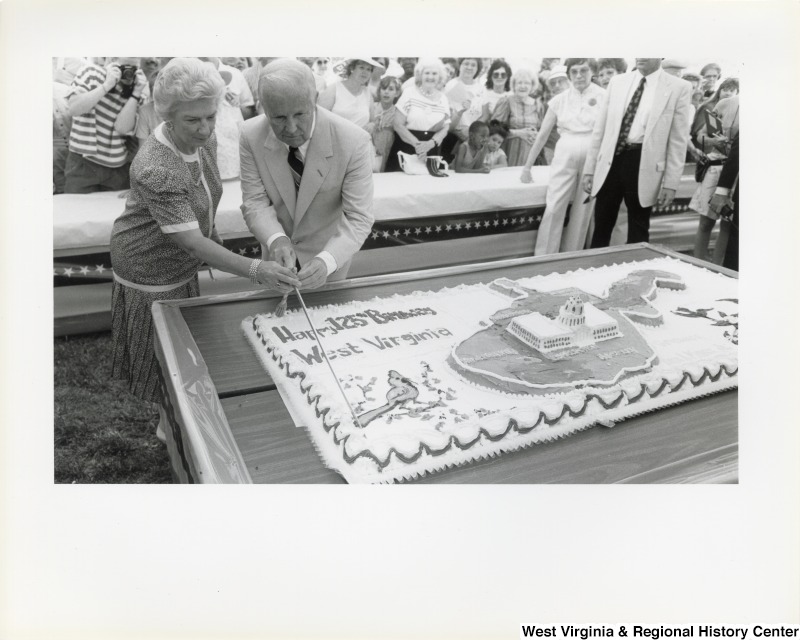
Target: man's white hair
(286,76)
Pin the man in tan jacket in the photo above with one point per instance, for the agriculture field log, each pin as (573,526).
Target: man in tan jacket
(306,177)
(638,148)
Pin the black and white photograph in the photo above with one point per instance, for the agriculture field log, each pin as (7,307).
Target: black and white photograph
(332,205)
(477,266)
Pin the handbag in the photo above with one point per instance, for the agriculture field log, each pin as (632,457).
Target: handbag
(702,165)
(701,168)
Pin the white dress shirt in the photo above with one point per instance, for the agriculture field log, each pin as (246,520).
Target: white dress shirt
(636,134)
(325,256)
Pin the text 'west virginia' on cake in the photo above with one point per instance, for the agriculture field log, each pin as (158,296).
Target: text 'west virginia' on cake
(441,378)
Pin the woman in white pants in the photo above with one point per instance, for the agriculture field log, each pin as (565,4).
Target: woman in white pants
(574,112)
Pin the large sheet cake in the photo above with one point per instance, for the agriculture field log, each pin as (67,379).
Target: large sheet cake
(440,378)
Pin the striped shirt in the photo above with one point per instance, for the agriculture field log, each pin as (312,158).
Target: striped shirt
(93,134)
(422,114)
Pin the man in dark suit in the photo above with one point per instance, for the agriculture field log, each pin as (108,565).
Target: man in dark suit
(638,148)
(727,193)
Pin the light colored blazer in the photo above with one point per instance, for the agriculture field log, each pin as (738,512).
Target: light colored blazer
(333,209)
(665,138)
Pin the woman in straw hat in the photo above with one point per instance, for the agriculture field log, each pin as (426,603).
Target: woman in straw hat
(351,98)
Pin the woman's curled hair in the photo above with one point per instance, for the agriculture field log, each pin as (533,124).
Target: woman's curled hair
(572,62)
(185,80)
(430,63)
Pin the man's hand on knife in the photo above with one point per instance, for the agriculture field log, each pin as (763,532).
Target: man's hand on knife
(313,274)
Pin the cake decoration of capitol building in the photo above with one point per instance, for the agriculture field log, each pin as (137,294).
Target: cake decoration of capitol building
(579,324)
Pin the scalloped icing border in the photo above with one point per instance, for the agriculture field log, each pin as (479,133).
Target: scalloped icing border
(614,410)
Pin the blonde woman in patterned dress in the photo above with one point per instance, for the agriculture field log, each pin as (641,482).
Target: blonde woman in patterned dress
(522,114)
(167,229)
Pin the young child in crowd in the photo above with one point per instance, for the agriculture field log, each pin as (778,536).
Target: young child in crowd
(470,155)
(495,156)
(383,117)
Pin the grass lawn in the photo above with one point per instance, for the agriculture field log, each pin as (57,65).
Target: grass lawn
(102,433)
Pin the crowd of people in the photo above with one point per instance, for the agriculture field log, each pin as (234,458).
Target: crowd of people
(477,114)
(172,130)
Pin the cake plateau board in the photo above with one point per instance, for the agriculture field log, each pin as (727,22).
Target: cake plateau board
(229,423)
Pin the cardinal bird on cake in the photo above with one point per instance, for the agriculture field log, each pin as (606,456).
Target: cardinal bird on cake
(401,391)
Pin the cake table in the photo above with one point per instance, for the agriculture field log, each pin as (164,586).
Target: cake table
(229,424)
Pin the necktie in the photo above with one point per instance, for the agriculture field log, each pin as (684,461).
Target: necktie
(627,119)
(295,166)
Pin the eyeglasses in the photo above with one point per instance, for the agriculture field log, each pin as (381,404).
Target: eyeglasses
(499,74)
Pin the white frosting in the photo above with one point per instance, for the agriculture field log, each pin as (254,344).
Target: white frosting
(455,407)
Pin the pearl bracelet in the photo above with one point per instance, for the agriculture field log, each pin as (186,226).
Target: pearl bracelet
(254,270)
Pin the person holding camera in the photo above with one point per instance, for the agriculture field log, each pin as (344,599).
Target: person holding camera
(103,102)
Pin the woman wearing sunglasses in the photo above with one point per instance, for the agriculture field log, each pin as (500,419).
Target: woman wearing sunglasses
(498,83)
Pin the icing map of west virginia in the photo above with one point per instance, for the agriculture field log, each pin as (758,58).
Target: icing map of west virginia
(582,354)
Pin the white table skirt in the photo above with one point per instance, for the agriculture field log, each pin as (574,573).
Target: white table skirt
(82,222)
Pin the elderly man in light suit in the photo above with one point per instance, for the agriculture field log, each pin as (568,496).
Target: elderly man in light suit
(306,177)
(638,148)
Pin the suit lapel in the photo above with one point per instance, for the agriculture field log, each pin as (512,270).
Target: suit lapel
(660,100)
(317,165)
(275,154)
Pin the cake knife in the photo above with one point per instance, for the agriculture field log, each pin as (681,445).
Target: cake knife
(325,355)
